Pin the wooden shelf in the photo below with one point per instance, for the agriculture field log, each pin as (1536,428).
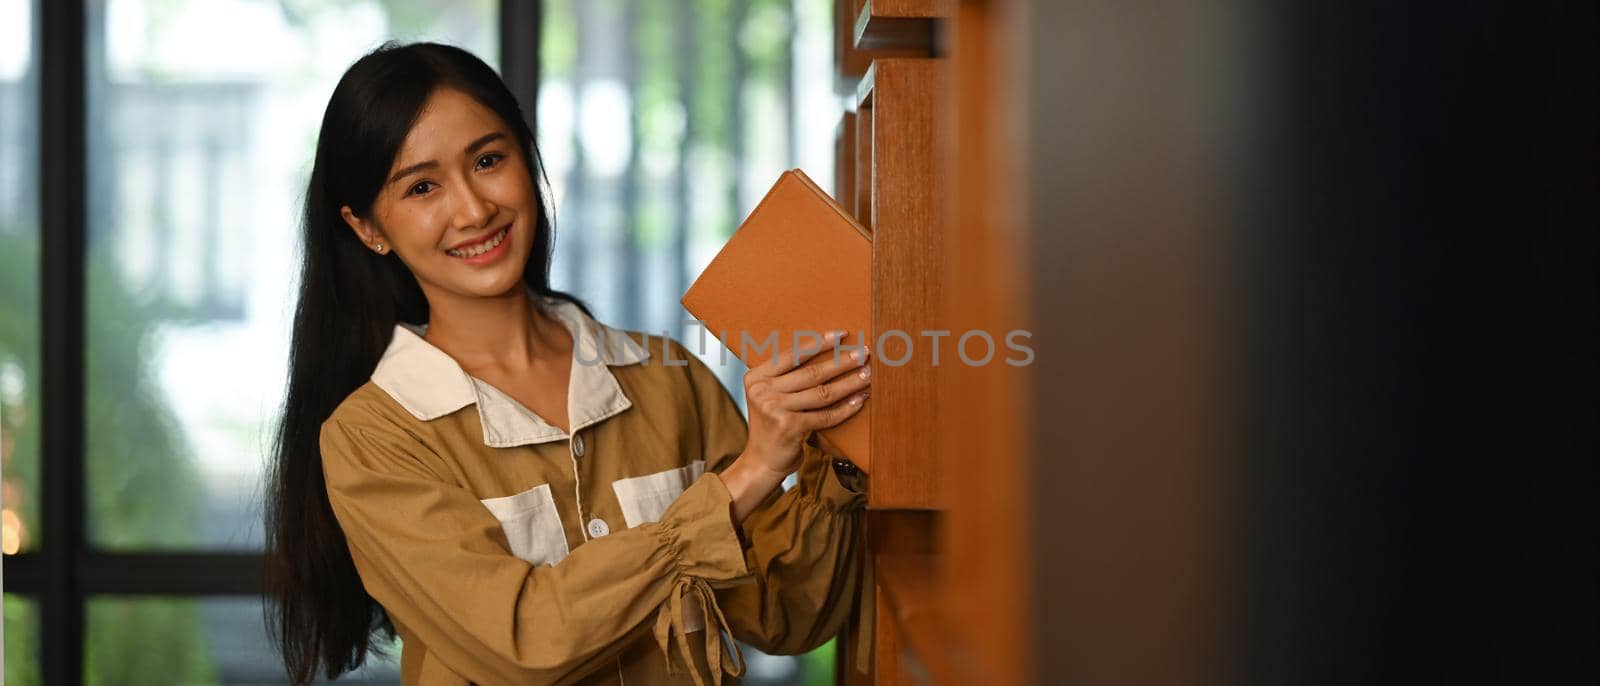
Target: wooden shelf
(865,30)
(888,172)
(844,164)
(863,161)
(896,141)
(900,25)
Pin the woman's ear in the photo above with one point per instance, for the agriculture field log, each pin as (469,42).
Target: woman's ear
(366,231)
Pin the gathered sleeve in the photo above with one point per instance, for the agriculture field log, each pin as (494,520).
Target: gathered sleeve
(438,562)
(803,545)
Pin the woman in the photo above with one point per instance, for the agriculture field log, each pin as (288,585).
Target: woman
(468,459)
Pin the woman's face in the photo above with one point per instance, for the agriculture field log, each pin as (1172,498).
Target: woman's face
(458,206)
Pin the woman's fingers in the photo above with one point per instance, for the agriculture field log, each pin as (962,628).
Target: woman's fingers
(825,394)
(788,398)
(787,360)
(835,414)
(814,374)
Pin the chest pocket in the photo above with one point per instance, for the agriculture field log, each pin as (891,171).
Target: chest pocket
(644,498)
(532,525)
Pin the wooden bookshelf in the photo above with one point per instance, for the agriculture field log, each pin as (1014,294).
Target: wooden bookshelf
(897,199)
(865,30)
(908,588)
(887,169)
(919,161)
(844,163)
(991,533)
(863,163)
(910,26)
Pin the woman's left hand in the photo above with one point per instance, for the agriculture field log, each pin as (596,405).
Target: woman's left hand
(788,400)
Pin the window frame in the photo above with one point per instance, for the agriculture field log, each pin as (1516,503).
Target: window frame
(64,572)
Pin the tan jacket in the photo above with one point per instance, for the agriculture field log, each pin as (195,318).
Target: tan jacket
(509,552)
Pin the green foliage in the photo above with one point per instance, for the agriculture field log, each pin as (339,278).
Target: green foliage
(22,668)
(19,350)
(712,108)
(765,37)
(171,648)
(141,491)
(817,665)
(558,41)
(657,96)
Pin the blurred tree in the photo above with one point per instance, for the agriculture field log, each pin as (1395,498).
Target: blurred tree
(19,392)
(21,668)
(19,437)
(139,476)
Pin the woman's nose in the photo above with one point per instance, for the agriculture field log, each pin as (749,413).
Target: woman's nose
(472,208)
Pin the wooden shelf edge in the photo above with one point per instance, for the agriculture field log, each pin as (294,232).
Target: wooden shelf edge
(864,87)
(900,29)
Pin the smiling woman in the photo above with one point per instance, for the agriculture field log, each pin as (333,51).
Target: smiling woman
(446,471)
(354,288)
(454,215)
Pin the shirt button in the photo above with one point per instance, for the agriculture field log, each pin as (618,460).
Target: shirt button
(598,528)
(577,445)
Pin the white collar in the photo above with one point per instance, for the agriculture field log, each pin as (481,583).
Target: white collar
(429,383)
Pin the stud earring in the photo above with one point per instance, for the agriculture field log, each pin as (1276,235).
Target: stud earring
(380,248)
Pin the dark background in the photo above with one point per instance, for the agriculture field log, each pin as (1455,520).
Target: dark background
(1398,261)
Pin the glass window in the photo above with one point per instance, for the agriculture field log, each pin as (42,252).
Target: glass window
(161,641)
(203,117)
(662,124)
(21,641)
(19,279)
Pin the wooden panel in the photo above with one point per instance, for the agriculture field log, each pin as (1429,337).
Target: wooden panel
(907,281)
(852,62)
(938,9)
(899,25)
(863,157)
(988,529)
(901,532)
(902,546)
(910,638)
(908,593)
(889,172)
(885,645)
(844,163)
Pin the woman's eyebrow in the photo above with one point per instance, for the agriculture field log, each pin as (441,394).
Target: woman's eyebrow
(484,140)
(470,149)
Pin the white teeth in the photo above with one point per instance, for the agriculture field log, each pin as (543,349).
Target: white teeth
(480,248)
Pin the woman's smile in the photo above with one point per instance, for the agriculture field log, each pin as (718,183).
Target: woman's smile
(485,251)
(459,191)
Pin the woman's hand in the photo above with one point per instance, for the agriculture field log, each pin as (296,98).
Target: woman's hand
(787,400)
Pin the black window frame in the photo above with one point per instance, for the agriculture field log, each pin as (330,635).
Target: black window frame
(65,572)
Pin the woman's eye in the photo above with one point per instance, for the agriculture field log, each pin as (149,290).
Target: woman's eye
(489,160)
(420,188)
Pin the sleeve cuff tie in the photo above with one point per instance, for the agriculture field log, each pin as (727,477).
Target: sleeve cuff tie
(671,621)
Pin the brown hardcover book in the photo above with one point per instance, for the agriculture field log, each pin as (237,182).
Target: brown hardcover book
(799,264)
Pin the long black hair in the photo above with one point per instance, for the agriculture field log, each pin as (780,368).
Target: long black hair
(350,300)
